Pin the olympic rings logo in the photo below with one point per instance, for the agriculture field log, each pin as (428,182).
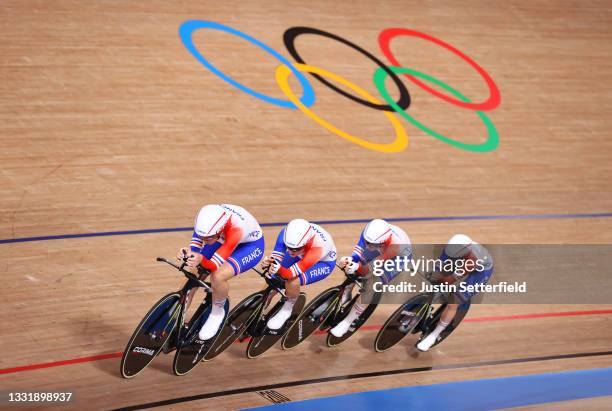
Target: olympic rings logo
(360,96)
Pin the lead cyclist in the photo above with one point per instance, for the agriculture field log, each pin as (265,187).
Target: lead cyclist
(227,240)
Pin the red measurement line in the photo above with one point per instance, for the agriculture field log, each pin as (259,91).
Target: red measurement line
(364,328)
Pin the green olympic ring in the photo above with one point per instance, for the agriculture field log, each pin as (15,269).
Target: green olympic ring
(493,138)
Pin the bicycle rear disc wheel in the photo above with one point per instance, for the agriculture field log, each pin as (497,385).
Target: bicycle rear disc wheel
(238,320)
(150,335)
(315,313)
(260,344)
(395,328)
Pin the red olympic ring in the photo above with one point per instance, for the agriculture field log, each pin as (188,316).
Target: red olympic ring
(384,39)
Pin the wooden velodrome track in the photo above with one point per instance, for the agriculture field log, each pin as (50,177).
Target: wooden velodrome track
(110,125)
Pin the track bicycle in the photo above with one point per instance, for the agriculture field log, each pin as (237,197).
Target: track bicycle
(248,319)
(418,316)
(325,311)
(164,329)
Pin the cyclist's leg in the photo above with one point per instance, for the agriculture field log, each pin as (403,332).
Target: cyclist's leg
(207,251)
(292,291)
(244,257)
(451,309)
(343,326)
(292,288)
(359,307)
(317,272)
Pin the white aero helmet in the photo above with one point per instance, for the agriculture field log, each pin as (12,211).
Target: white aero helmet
(211,220)
(458,246)
(297,233)
(377,231)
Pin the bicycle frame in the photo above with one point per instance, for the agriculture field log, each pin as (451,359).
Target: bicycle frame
(349,280)
(268,293)
(159,325)
(180,308)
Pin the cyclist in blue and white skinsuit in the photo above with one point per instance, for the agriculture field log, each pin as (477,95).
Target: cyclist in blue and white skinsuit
(227,240)
(460,247)
(379,240)
(304,254)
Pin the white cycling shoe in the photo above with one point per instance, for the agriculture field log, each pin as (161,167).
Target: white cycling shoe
(210,328)
(342,328)
(426,343)
(280,318)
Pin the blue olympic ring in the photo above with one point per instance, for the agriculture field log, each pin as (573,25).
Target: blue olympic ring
(186,30)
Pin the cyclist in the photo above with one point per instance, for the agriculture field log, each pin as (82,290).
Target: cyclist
(379,240)
(460,248)
(227,240)
(304,254)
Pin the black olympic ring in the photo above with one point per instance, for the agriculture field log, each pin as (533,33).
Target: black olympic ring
(292,33)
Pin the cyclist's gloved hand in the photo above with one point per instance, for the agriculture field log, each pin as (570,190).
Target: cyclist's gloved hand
(265,263)
(344,261)
(351,268)
(182,253)
(194,259)
(274,267)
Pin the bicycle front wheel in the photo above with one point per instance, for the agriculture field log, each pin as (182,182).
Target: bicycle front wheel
(259,344)
(150,335)
(403,321)
(238,320)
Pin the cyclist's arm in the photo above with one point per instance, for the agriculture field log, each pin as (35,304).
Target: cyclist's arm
(388,253)
(196,243)
(232,238)
(279,248)
(311,257)
(357,255)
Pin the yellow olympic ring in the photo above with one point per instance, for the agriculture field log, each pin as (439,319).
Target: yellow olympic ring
(401,140)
